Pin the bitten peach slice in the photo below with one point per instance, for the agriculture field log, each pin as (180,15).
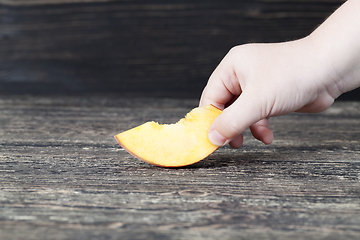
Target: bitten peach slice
(172,145)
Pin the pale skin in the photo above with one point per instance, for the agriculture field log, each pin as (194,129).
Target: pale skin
(255,82)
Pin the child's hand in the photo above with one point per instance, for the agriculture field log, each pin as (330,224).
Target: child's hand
(270,80)
(257,81)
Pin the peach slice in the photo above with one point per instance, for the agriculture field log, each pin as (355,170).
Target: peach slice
(172,145)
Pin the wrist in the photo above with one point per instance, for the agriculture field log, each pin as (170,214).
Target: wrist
(337,43)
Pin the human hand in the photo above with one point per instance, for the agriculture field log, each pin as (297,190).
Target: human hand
(257,81)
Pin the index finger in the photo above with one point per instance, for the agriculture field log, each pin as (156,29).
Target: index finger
(222,87)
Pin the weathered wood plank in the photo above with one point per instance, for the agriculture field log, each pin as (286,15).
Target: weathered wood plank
(47,2)
(137,48)
(63,176)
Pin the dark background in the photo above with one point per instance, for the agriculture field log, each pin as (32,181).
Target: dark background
(138,48)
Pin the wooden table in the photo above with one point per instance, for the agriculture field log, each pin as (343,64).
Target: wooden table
(63,176)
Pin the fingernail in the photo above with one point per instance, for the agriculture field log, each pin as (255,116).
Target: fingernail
(217,139)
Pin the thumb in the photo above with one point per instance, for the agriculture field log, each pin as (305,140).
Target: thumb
(230,124)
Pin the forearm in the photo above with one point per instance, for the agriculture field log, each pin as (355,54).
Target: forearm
(337,40)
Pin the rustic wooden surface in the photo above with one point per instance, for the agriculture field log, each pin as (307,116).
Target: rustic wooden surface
(138,48)
(63,176)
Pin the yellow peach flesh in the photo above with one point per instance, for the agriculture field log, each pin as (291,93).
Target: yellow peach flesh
(172,145)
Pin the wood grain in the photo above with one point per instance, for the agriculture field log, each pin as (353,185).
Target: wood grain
(63,176)
(47,2)
(137,48)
